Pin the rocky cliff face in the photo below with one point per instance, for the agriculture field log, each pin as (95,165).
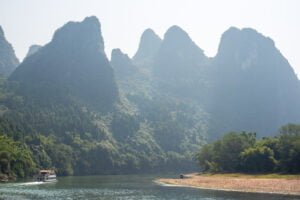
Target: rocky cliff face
(8,59)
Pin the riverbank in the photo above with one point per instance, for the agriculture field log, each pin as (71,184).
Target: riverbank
(5,178)
(270,183)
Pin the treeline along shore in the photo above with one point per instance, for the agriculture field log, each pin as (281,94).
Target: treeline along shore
(241,162)
(242,152)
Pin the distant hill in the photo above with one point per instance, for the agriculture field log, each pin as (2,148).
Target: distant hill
(8,59)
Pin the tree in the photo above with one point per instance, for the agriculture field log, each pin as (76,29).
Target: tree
(258,159)
(289,148)
(15,158)
(230,147)
(224,154)
(290,129)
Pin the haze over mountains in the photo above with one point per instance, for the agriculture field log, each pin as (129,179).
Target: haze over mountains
(33,49)
(148,47)
(73,64)
(146,113)
(256,88)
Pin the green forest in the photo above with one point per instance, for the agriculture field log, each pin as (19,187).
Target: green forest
(243,152)
(74,140)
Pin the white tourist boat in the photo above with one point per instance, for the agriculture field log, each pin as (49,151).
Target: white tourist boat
(47,176)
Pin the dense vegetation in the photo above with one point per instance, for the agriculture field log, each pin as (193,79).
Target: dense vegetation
(74,140)
(242,152)
(15,159)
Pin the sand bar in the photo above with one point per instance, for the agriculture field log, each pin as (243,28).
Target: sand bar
(288,185)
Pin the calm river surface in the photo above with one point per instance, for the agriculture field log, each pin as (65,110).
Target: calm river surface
(117,187)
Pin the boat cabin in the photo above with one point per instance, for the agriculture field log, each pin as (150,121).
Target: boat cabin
(46,176)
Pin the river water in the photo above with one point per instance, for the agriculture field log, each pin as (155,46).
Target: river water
(126,187)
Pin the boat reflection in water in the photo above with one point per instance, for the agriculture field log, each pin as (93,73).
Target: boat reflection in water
(47,176)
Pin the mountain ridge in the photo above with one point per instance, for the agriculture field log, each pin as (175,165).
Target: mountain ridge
(72,63)
(148,47)
(8,59)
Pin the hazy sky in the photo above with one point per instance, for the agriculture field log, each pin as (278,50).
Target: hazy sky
(27,22)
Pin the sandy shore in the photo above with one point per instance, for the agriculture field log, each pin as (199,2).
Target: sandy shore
(241,183)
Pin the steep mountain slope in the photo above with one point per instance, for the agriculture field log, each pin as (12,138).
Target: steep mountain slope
(72,66)
(122,64)
(148,48)
(178,127)
(247,86)
(8,59)
(33,49)
(53,100)
(131,78)
(256,89)
(180,66)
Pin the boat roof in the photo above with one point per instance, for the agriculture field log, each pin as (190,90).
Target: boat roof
(46,171)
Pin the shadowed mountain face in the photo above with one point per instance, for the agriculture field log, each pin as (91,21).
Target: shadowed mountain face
(122,64)
(256,88)
(248,85)
(73,65)
(178,55)
(148,47)
(180,65)
(8,59)
(63,90)
(128,76)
